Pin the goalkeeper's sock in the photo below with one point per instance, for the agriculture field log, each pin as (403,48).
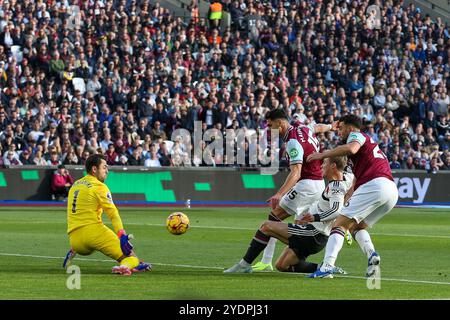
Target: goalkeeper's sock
(268,251)
(365,242)
(334,245)
(130,262)
(257,245)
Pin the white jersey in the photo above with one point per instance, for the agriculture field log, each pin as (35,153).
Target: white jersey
(329,206)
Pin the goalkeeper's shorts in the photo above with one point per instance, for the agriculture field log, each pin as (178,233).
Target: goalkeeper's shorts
(95,237)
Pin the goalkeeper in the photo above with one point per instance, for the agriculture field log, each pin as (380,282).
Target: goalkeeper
(88,198)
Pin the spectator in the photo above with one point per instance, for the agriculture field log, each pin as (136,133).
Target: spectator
(409,164)
(71,158)
(153,160)
(11,159)
(111,155)
(136,158)
(25,158)
(157,132)
(38,159)
(61,183)
(394,163)
(435,165)
(164,155)
(176,72)
(54,159)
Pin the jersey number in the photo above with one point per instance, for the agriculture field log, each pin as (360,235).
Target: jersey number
(377,153)
(74,204)
(313,141)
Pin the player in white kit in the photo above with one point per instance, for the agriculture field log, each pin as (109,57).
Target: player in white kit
(310,234)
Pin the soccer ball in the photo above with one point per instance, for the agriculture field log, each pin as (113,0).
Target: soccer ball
(177,223)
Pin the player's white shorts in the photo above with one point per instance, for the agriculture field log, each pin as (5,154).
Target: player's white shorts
(301,196)
(371,201)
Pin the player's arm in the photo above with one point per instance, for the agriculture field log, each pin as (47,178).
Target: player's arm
(295,151)
(344,150)
(336,204)
(291,179)
(110,208)
(113,214)
(349,192)
(354,143)
(289,183)
(321,128)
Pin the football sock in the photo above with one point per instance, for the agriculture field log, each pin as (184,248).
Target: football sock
(334,245)
(269,251)
(257,245)
(131,262)
(365,242)
(270,248)
(304,267)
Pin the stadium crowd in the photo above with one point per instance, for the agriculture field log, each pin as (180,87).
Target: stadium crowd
(121,78)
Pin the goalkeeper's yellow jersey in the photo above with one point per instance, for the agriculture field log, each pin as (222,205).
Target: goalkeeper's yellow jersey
(88,199)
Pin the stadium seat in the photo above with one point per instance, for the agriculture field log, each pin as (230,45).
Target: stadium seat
(79,84)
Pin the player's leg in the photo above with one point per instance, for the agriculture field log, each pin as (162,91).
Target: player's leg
(297,200)
(278,230)
(333,247)
(77,246)
(286,259)
(106,241)
(366,199)
(265,264)
(69,257)
(289,261)
(293,258)
(305,240)
(257,245)
(388,195)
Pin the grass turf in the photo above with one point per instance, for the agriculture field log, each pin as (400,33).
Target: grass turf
(414,245)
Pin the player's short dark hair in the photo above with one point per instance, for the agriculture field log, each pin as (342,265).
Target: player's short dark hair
(93,160)
(276,114)
(340,162)
(352,120)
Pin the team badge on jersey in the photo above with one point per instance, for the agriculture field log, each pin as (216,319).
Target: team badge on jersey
(293,153)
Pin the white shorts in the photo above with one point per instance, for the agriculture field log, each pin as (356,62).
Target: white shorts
(371,201)
(302,196)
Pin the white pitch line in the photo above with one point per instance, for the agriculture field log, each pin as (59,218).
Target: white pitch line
(410,235)
(103,260)
(397,280)
(216,268)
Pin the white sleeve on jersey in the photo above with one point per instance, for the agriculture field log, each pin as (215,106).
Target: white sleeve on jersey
(311,127)
(336,195)
(356,136)
(295,151)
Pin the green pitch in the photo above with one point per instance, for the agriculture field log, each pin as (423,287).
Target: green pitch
(414,245)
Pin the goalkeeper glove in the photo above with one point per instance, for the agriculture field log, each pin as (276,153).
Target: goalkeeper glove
(125,244)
